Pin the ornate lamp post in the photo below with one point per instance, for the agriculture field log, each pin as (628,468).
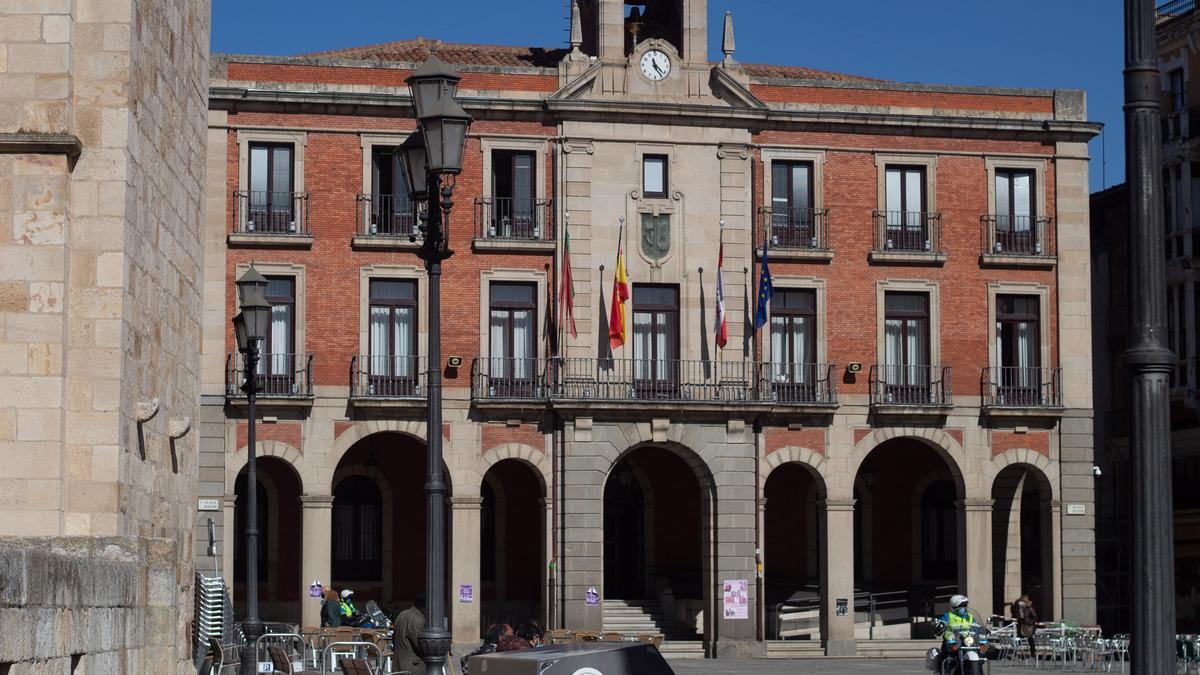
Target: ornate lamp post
(250,329)
(430,160)
(1148,360)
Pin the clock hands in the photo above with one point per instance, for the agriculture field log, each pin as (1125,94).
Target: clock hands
(658,67)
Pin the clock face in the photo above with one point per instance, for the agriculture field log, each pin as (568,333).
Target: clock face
(656,65)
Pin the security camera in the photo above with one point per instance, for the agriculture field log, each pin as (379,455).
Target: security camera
(1096,471)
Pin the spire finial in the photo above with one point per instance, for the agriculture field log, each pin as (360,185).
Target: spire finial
(576,27)
(727,43)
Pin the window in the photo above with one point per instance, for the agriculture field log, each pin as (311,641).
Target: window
(1018,349)
(792,204)
(655,176)
(906,347)
(357,530)
(1178,92)
(1016,230)
(514,207)
(277,365)
(271,198)
(392,362)
(656,340)
(904,203)
(794,344)
(392,212)
(513,334)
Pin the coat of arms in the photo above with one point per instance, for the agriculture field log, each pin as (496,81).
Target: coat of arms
(656,235)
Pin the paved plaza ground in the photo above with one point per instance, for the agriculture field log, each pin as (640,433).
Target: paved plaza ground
(817,666)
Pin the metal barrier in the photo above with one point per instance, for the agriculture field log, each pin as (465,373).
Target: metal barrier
(295,655)
(356,651)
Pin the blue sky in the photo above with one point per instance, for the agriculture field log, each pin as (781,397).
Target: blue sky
(1017,43)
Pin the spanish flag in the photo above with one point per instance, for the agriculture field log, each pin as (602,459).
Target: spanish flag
(620,293)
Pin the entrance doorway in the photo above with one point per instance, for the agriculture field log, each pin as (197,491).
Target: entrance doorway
(278,510)
(512,544)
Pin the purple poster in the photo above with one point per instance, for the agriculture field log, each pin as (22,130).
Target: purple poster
(466,593)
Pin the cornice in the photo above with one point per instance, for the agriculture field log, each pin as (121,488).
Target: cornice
(397,105)
(40,144)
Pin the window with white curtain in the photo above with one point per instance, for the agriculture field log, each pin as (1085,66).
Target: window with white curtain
(393,329)
(1015,212)
(512,330)
(793,336)
(656,333)
(513,194)
(271,184)
(904,199)
(279,357)
(906,354)
(1018,347)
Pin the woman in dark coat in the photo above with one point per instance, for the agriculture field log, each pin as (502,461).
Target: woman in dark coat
(1027,619)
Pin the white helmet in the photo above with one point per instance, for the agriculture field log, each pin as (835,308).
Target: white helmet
(348,593)
(957,601)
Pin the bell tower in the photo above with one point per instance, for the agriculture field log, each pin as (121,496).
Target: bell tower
(625,24)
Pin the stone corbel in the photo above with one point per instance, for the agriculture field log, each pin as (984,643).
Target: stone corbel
(573,145)
(178,428)
(146,410)
(733,151)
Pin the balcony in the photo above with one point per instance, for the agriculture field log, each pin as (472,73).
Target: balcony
(508,224)
(1017,391)
(911,390)
(388,381)
(796,233)
(283,379)
(388,222)
(1016,241)
(908,237)
(271,219)
(798,384)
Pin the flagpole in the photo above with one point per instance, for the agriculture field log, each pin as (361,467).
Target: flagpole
(562,328)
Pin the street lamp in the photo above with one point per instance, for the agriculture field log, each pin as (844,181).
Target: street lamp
(430,159)
(250,329)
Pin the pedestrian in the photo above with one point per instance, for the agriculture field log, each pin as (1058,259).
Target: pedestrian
(330,608)
(491,640)
(1027,619)
(532,632)
(405,633)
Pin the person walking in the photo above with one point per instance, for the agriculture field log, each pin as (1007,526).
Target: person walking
(405,632)
(1027,620)
(331,615)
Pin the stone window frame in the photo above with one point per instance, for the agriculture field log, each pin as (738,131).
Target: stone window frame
(656,205)
(503,275)
(368,141)
(1042,291)
(297,272)
(803,283)
(536,145)
(933,289)
(402,272)
(927,161)
(298,139)
(770,155)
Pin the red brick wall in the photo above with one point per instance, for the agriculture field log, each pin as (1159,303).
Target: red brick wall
(813,439)
(493,435)
(906,99)
(1003,441)
(284,432)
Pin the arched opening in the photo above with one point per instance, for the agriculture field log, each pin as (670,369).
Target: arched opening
(657,524)
(512,544)
(1022,555)
(279,528)
(647,19)
(907,538)
(791,553)
(377,546)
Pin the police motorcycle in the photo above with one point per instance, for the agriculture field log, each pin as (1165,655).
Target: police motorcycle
(965,649)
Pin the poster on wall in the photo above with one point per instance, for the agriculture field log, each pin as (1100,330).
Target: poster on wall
(466,593)
(736,597)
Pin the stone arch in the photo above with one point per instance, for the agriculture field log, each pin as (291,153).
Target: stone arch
(523,453)
(1037,463)
(945,445)
(685,452)
(809,459)
(360,430)
(289,455)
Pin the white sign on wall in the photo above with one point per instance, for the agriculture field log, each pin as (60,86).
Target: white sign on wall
(208,504)
(1076,509)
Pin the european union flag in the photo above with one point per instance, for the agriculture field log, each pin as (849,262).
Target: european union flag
(765,290)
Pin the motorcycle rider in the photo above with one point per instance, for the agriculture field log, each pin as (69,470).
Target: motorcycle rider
(346,609)
(958,617)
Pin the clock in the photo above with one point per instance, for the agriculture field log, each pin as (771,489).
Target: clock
(656,65)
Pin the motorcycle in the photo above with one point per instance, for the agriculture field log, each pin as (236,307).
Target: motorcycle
(965,649)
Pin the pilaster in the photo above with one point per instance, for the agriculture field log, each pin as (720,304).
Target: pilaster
(316,519)
(465,514)
(837,576)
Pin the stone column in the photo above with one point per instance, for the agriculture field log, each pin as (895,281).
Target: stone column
(316,521)
(976,574)
(837,576)
(465,514)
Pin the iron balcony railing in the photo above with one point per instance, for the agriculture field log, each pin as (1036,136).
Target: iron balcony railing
(653,380)
(1022,387)
(524,219)
(499,378)
(271,213)
(911,386)
(787,227)
(374,376)
(388,216)
(1016,235)
(798,383)
(279,375)
(908,231)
